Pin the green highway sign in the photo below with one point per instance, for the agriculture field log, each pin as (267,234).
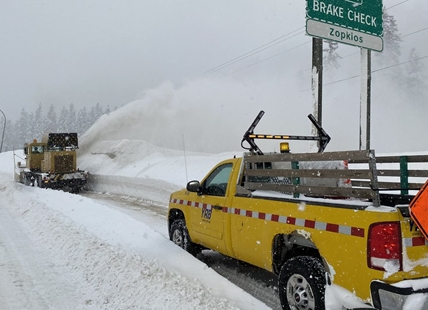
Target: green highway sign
(355,22)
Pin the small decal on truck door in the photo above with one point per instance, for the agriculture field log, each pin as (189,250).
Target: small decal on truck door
(206,212)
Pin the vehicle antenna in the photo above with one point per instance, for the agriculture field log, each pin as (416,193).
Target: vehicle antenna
(185,160)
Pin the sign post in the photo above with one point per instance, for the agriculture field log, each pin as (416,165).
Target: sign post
(354,22)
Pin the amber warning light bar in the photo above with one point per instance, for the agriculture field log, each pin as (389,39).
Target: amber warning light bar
(249,136)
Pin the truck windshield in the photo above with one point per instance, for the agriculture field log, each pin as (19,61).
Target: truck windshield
(37,149)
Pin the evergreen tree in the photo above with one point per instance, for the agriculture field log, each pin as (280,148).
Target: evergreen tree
(63,121)
(415,79)
(91,115)
(38,126)
(98,111)
(50,120)
(30,132)
(83,121)
(72,118)
(33,125)
(21,127)
(391,43)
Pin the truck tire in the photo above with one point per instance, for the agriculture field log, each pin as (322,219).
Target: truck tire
(302,284)
(180,236)
(40,181)
(27,181)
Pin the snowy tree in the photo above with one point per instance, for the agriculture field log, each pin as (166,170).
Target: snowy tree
(72,125)
(391,37)
(415,79)
(392,47)
(21,127)
(330,54)
(50,124)
(38,124)
(95,113)
(63,120)
(98,111)
(30,134)
(33,125)
(83,121)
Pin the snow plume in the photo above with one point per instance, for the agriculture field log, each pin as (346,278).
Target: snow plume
(207,115)
(212,114)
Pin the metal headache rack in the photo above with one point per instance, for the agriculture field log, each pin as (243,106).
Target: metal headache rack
(383,180)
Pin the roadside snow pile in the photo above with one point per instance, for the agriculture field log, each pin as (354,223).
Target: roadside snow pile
(119,262)
(140,169)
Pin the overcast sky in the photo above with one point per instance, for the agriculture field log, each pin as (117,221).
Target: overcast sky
(109,51)
(114,52)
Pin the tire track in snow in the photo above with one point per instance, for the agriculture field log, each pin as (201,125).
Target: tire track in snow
(255,281)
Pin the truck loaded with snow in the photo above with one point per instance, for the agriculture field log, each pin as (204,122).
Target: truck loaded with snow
(51,163)
(337,221)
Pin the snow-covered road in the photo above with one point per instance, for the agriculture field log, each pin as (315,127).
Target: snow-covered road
(257,282)
(30,278)
(64,251)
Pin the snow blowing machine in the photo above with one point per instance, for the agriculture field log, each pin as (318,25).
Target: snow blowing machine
(51,163)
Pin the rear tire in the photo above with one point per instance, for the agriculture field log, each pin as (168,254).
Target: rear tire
(39,181)
(302,284)
(179,234)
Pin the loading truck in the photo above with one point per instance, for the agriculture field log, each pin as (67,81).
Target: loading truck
(326,220)
(51,163)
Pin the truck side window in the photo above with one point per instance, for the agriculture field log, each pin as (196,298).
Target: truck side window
(216,182)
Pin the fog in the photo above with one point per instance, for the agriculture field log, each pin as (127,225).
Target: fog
(153,60)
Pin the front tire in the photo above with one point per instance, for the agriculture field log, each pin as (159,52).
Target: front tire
(180,236)
(302,284)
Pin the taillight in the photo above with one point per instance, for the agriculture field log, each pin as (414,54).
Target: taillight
(384,247)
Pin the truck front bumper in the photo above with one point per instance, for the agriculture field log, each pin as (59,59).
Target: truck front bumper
(409,294)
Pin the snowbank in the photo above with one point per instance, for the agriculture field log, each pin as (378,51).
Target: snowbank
(119,262)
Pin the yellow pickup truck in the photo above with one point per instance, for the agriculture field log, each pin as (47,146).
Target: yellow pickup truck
(318,220)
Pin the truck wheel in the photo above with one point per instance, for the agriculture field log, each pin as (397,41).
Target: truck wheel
(180,236)
(27,180)
(40,182)
(302,284)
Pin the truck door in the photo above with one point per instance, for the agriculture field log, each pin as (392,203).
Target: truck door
(207,216)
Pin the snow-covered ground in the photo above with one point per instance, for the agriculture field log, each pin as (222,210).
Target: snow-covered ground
(64,251)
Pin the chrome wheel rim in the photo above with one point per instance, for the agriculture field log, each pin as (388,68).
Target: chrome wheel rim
(299,293)
(177,238)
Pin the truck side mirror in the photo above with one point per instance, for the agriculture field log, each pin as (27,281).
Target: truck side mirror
(194,186)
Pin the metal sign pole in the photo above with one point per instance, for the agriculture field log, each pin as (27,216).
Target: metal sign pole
(365,100)
(317,74)
(4,129)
